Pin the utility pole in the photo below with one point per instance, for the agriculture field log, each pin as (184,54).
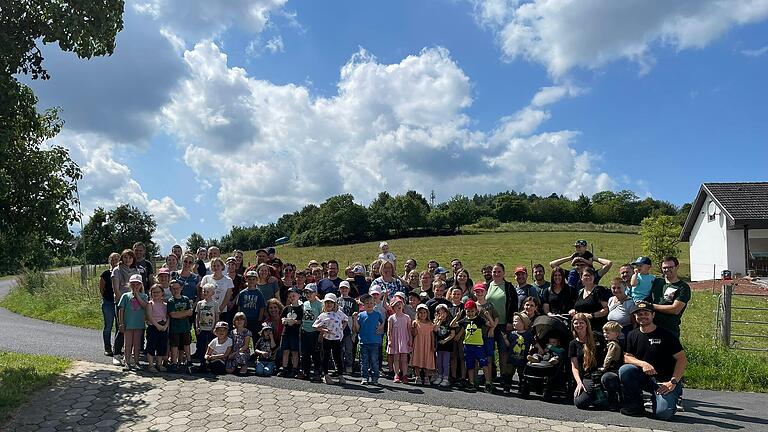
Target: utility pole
(432,198)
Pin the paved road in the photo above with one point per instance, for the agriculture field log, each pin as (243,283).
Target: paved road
(704,410)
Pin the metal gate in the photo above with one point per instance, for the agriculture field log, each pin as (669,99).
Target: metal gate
(727,303)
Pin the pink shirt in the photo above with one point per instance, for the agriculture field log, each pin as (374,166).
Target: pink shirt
(158,311)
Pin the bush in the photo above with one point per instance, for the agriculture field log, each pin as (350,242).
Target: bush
(487,222)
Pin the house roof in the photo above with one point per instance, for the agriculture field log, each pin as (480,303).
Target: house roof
(744,204)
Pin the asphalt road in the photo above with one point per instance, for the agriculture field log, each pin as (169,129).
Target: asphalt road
(704,410)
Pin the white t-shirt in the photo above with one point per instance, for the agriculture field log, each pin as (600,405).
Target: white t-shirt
(389,256)
(219,348)
(334,322)
(222,285)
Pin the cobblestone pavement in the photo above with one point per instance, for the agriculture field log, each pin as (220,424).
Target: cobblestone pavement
(98,397)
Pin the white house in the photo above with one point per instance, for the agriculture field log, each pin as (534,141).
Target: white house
(728,229)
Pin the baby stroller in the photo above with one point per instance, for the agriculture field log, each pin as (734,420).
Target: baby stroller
(543,377)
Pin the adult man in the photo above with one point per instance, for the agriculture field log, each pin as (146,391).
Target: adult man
(671,296)
(410,264)
(654,362)
(331,283)
(625,272)
(539,281)
(523,288)
(432,265)
(487,272)
(145,266)
(176,250)
(262,256)
(455,267)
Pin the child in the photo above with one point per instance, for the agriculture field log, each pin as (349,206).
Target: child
(206,317)
(264,348)
(369,324)
(552,353)
(613,358)
(180,309)
(157,331)
(241,345)
(423,334)
(444,335)
(330,324)
(620,307)
(348,306)
(164,279)
(458,366)
(642,279)
(491,317)
(518,342)
(471,327)
(218,350)
(386,254)
(399,343)
(131,318)
(312,308)
(251,302)
(292,316)
(414,300)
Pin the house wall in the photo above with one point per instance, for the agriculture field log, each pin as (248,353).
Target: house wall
(708,245)
(736,256)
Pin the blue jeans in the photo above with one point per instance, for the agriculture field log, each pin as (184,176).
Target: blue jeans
(634,381)
(369,360)
(108,312)
(264,368)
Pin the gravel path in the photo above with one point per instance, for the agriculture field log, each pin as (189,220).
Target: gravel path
(704,410)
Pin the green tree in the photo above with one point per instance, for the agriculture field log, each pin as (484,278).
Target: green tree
(38,184)
(116,230)
(460,211)
(194,242)
(661,235)
(407,212)
(511,208)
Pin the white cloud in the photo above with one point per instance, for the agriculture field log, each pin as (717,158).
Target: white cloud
(275,45)
(108,183)
(256,47)
(274,148)
(563,34)
(755,52)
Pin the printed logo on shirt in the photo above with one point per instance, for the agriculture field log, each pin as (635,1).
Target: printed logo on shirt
(669,293)
(654,341)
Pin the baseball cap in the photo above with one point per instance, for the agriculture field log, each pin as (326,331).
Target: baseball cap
(424,295)
(222,324)
(414,294)
(261,250)
(135,278)
(359,269)
(344,284)
(264,327)
(330,297)
(270,250)
(231,259)
(164,270)
(422,306)
(251,273)
(395,301)
(580,242)
(441,270)
(310,287)
(521,269)
(294,290)
(470,304)
(374,290)
(642,260)
(400,294)
(644,306)
(479,286)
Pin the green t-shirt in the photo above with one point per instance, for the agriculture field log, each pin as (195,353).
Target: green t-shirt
(665,293)
(133,314)
(473,330)
(180,325)
(311,312)
(498,298)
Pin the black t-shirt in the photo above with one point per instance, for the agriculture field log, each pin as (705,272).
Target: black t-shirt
(432,305)
(201,269)
(657,348)
(293,330)
(442,332)
(593,304)
(559,303)
(576,349)
(109,294)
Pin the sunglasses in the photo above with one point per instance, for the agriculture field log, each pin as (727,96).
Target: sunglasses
(189,262)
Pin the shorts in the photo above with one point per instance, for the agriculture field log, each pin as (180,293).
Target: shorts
(180,340)
(488,347)
(475,353)
(157,342)
(289,342)
(498,334)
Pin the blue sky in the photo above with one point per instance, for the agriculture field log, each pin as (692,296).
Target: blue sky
(214,113)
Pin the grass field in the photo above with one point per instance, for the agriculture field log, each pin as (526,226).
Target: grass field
(62,299)
(21,375)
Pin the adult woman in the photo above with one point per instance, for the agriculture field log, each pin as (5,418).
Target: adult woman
(592,299)
(273,318)
(462,282)
(172,264)
(120,278)
(586,352)
(286,281)
(531,307)
(188,279)
(412,281)
(238,254)
(375,268)
(224,284)
(238,284)
(558,299)
(108,301)
(387,282)
(426,283)
(505,305)
(266,283)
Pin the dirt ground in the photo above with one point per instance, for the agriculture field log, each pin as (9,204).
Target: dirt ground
(741,285)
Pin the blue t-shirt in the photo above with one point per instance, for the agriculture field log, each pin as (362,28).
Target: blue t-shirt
(328,286)
(251,303)
(519,344)
(368,324)
(133,314)
(189,285)
(643,289)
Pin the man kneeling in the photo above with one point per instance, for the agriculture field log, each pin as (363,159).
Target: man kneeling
(654,362)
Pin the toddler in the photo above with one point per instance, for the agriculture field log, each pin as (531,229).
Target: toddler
(518,343)
(399,343)
(386,254)
(552,353)
(369,324)
(241,345)
(264,348)
(218,350)
(330,324)
(157,331)
(613,354)
(642,279)
(422,331)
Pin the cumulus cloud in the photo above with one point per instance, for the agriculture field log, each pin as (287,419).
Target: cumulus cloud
(274,148)
(757,52)
(108,183)
(563,34)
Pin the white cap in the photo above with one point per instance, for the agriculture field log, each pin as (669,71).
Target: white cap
(382,244)
(344,284)
(330,297)
(136,278)
(375,290)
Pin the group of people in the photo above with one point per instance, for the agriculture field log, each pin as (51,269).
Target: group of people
(434,327)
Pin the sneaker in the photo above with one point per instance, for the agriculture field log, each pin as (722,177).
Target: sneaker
(397,379)
(108,352)
(445,382)
(679,404)
(438,381)
(284,373)
(405,380)
(151,369)
(161,368)
(327,379)
(374,382)
(489,388)
(433,380)
(301,376)
(117,360)
(128,366)
(364,381)
(633,411)
(342,381)
(173,368)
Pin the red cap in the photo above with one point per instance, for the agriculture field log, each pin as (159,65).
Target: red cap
(520,269)
(470,304)
(479,286)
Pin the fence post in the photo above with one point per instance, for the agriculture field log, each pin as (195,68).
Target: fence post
(725,329)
